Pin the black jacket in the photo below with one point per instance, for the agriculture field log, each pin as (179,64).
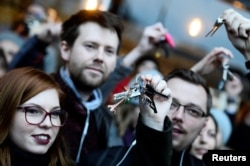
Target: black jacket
(153,148)
(184,158)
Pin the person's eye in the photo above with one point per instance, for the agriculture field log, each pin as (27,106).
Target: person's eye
(212,134)
(89,46)
(33,111)
(173,105)
(193,112)
(110,51)
(55,114)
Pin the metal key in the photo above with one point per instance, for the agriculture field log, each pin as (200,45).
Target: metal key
(149,96)
(113,107)
(149,93)
(132,92)
(219,21)
(224,76)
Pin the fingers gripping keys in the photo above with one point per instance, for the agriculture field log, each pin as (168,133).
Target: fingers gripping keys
(139,88)
(149,96)
(124,97)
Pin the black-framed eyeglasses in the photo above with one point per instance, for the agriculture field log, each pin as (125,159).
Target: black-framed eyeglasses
(189,110)
(35,115)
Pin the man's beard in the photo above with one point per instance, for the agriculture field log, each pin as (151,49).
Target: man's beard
(83,84)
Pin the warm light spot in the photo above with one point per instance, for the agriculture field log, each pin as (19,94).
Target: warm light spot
(194,28)
(91,5)
(239,5)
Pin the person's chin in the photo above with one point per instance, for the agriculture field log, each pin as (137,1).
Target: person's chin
(177,145)
(201,152)
(39,150)
(198,156)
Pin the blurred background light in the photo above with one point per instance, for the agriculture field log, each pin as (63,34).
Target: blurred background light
(195,27)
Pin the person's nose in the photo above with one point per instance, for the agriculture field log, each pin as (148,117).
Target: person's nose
(179,113)
(46,122)
(203,138)
(100,53)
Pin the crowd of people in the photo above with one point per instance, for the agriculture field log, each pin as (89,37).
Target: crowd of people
(63,118)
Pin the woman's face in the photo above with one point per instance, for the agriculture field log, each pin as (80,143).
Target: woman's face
(36,138)
(234,87)
(205,141)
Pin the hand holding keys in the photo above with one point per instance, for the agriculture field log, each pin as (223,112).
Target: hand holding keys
(136,90)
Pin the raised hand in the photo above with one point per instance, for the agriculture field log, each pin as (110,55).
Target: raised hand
(213,60)
(162,103)
(238,28)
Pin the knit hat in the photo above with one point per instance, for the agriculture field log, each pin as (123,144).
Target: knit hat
(224,123)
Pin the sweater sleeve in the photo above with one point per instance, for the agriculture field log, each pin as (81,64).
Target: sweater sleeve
(153,147)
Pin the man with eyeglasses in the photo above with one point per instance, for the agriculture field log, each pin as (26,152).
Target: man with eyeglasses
(190,106)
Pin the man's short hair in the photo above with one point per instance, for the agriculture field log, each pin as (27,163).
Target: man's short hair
(105,19)
(194,78)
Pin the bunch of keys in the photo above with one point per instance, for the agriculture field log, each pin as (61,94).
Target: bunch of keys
(139,88)
(219,21)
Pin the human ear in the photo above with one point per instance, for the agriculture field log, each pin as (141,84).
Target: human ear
(65,50)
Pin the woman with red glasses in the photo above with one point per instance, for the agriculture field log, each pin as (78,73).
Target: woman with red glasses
(30,120)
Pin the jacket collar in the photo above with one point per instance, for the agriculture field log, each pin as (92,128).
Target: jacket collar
(93,103)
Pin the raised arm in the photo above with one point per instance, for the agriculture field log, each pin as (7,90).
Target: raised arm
(162,104)
(213,60)
(154,130)
(33,51)
(151,35)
